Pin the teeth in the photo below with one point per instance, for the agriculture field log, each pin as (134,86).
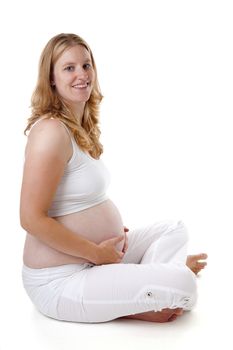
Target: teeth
(80,85)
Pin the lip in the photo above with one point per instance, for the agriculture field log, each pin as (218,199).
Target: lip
(82,85)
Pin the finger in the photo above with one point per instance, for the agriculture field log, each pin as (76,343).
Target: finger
(118,239)
(201,256)
(124,249)
(201,264)
(120,256)
(115,239)
(125,246)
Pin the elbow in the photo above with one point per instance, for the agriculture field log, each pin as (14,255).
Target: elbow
(25,221)
(29,220)
(24,216)
(23,224)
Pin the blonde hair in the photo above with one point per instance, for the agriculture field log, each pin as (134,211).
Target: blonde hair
(45,100)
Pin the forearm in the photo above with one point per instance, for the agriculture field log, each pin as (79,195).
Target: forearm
(58,237)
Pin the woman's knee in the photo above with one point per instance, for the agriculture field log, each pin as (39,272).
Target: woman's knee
(178,278)
(183,287)
(178,228)
(185,281)
(188,280)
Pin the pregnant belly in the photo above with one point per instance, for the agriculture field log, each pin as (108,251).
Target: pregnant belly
(96,224)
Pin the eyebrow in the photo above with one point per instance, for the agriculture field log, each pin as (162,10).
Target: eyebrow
(73,63)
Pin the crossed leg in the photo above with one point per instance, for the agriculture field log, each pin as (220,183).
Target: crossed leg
(195,263)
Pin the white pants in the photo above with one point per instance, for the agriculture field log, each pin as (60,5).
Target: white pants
(152,276)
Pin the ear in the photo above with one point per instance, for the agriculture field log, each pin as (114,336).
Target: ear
(52,82)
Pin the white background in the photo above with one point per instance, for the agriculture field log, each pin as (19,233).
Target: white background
(165,69)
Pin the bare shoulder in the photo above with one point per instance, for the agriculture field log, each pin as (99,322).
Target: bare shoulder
(48,128)
(50,136)
(46,155)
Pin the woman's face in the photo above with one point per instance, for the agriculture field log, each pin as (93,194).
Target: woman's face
(73,75)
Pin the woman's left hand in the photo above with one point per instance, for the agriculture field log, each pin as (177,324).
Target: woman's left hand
(126,240)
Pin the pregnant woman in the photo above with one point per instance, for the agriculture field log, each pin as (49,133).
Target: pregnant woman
(80,263)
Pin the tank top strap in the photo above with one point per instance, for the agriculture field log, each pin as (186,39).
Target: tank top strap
(67,129)
(69,132)
(37,121)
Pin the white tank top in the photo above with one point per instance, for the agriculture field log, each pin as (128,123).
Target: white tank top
(83,184)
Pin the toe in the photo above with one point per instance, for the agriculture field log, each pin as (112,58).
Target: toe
(202,256)
(172,318)
(198,267)
(196,257)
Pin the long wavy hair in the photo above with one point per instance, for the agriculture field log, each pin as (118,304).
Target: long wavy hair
(46,102)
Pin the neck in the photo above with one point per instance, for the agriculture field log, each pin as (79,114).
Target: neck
(78,110)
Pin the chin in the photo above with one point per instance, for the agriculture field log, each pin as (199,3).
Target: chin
(82,98)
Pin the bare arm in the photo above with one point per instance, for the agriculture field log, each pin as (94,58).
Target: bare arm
(47,152)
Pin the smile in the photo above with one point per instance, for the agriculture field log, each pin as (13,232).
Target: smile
(81,86)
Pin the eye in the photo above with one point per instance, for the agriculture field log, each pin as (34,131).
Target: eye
(70,68)
(87,66)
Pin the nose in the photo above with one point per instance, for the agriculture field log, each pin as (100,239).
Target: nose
(81,73)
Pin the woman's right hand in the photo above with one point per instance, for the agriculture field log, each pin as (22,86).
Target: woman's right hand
(107,252)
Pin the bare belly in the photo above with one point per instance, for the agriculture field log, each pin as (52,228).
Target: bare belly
(96,224)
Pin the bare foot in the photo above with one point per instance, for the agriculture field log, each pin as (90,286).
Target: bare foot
(194,263)
(165,315)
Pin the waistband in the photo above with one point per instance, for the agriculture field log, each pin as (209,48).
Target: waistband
(59,271)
